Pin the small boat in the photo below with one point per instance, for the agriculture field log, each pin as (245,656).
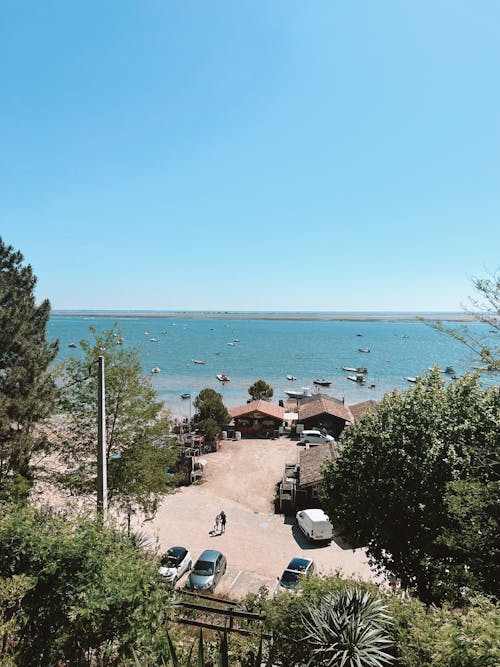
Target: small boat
(298,393)
(411,378)
(72,345)
(450,370)
(291,377)
(322,382)
(456,377)
(405,336)
(360,335)
(236,340)
(360,379)
(155,370)
(231,343)
(349,369)
(153,340)
(198,361)
(364,349)
(222,377)
(185,395)
(362,369)
(146,333)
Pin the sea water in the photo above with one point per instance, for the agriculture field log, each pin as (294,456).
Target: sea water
(249,348)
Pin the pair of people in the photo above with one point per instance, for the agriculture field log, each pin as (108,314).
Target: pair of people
(220,522)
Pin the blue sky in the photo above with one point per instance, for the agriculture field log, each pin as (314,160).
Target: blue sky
(263,155)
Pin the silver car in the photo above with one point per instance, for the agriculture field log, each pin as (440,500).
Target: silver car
(207,571)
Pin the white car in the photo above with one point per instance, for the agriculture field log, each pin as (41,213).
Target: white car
(314,437)
(174,563)
(290,579)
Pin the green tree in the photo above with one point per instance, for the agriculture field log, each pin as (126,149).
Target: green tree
(82,593)
(27,389)
(139,449)
(260,389)
(483,308)
(389,488)
(208,405)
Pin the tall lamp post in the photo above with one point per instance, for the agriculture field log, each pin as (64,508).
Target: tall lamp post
(102,473)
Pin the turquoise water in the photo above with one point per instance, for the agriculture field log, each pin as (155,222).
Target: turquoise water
(272,349)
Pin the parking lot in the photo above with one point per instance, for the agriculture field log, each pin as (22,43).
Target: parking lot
(241,479)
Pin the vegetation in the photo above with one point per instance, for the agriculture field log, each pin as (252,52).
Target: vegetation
(260,390)
(77,592)
(412,478)
(209,406)
(27,389)
(484,308)
(137,433)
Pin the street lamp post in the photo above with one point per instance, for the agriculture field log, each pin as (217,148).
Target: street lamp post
(102,474)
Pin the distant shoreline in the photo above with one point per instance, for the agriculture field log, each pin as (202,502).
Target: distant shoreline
(291,316)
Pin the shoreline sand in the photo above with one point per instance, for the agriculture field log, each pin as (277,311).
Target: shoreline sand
(290,316)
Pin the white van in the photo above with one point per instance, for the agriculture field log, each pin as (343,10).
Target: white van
(314,437)
(315,525)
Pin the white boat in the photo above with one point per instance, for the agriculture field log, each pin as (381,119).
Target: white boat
(364,349)
(222,377)
(153,340)
(360,379)
(298,393)
(291,377)
(450,370)
(71,344)
(351,369)
(411,378)
(198,361)
(231,343)
(155,370)
(321,382)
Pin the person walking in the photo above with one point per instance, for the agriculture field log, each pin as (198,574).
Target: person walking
(217,523)
(222,516)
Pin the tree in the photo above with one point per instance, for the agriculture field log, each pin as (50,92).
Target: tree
(208,405)
(79,593)
(484,308)
(27,388)
(389,488)
(260,389)
(139,451)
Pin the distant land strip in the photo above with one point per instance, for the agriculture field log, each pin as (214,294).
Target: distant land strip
(298,316)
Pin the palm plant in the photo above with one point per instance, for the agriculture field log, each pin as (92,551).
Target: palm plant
(348,628)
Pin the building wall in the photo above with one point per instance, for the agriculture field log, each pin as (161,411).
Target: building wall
(333,425)
(252,427)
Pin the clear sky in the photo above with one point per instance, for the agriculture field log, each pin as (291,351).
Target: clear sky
(251,155)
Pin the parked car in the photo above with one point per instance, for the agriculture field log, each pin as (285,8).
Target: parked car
(207,571)
(314,437)
(315,525)
(290,579)
(174,563)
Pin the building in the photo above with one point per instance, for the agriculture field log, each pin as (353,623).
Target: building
(331,414)
(258,419)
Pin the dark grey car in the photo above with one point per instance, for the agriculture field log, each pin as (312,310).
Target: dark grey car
(207,571)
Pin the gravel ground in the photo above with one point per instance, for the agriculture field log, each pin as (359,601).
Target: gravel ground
(241,479)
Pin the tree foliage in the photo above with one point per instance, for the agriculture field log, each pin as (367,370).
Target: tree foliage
(484,308)
(27,389)
(137,433)
(209,406)
(394,487)
(78,592)
(260,390)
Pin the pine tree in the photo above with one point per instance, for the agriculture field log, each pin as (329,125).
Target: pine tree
(27,389)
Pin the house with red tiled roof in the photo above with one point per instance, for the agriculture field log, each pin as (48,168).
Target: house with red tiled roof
(331,414)
(258,419)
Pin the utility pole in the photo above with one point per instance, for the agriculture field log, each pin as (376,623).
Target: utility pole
(102,475)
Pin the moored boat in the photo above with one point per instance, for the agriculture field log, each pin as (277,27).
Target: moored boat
(359,378)
(291,377)
(364,349)
(155,370)
(198,361)
(298,393)
(321,382)
(185,395)
(411,378)
(222,377)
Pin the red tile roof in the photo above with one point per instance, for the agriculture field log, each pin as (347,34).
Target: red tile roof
(312,460)
(358,409)
(264,407)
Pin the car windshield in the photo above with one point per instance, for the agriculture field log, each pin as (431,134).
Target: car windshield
(173,557)
(298,564)
(204,568)
(289,579)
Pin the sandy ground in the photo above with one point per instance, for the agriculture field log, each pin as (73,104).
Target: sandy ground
(241,479)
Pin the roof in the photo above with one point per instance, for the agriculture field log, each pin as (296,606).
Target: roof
(358,409)
(261,406)
(311,461)
(323,405)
